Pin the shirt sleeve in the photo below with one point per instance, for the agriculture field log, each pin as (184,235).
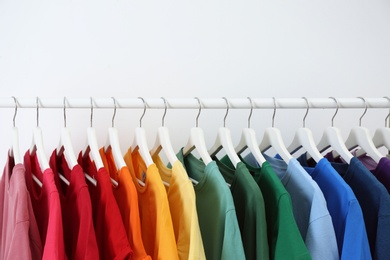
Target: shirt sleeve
(355,243)
(232,247)
(321,239)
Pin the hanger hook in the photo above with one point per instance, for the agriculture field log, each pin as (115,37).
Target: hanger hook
(140,120)
(37,102)
(307,111)
(200,109)
(113,116)
(64,102)
(165,111)
(16,109)
(250,114)
(227,111)
(273,115)
(387,114)
(91,98)
(337,109)
(365,110)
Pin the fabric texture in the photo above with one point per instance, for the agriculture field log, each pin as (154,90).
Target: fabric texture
(375,203)
(182,204)
(79,233)
(156,221)
(216,212)
(347,216)
(309,207)
(284,238)
(19,234)
(47,208)
(250,208)
(126,197)
(110,232)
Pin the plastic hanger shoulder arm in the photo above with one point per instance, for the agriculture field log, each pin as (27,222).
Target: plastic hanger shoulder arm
(113,142)
(141,143)
(15,152)
(273,136)
(38,148)
(65,146)
(248,139)
(359,136)
(196,140)
(93,148)
(225,140)
(164,142)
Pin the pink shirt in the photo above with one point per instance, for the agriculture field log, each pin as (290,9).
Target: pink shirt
(19,235)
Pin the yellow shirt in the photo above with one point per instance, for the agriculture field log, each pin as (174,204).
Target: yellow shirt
(181,197)
(127,199)
(156,221)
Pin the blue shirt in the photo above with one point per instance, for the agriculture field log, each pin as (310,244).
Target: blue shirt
(347,216)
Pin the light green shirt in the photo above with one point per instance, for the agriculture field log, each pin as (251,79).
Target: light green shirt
(216,212)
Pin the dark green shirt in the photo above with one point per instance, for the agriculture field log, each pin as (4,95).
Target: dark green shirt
(250,209)
(284,238)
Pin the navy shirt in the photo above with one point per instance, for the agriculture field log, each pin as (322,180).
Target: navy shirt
(375,203)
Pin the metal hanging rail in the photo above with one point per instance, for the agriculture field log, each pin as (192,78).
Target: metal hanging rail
(192,103)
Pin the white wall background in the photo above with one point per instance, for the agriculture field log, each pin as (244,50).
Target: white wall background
(187,49)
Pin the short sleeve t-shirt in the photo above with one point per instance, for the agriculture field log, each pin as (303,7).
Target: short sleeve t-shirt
(250,208)
(309,207)
(47,208)
(181,197)
(347,216)
(284,238)
(156,221)
(19,234)
(375,203)
(126,197)
(216,212)
(79,233)
(110,232)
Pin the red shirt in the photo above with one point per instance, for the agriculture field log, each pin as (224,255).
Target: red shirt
(79,233)
(110,231)
(47,208)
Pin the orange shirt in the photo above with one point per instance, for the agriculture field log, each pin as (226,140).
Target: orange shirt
(156,222)
(127,199)
(181,197)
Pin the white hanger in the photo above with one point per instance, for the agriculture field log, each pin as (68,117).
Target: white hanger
(163,142)
(37,144)
(382,135)
(273,138)
(92,148)
(113,142)
(360,136)
(65,147)
(248,140)
(140,141)
(304,138)
(332,138)
(224,140)
(197,141)
(14,150)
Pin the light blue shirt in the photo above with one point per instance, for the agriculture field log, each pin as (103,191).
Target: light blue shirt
(309,208)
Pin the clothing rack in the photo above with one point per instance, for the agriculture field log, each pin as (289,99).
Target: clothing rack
(192,103)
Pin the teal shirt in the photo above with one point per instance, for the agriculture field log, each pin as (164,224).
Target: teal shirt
(284,238)
(250,209)
(216,212)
